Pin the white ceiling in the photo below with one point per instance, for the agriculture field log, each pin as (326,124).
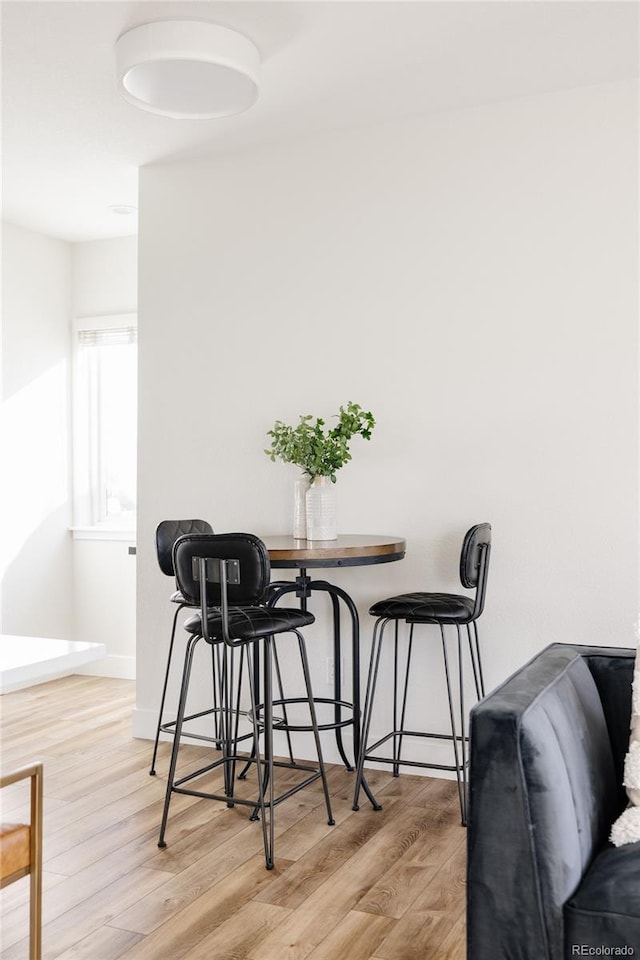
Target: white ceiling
(72,146)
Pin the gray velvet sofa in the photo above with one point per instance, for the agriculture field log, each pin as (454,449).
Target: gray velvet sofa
(547,752)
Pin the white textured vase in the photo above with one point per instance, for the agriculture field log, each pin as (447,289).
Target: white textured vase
(300,506)
(321,510)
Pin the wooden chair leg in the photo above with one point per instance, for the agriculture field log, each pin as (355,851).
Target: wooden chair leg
(35,903)
(28,862)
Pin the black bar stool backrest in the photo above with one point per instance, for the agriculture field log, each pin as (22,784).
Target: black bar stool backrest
(474,562)
(168,532)
(254,568)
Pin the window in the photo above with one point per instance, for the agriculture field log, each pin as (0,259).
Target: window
(104,430)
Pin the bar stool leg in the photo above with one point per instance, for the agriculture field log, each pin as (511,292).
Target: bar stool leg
(252,662)
(478,658)
(227,722)
(396,765)
(269,828)
(184,690)
(474,663)
(400,729)
(260,690)
(152,771)
(216,709)
(454,735)
(243,773)
(372,679)
(264,765)
(276,663)
(236,719)
(463,738)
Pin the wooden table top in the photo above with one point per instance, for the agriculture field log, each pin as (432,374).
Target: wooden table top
(348,550)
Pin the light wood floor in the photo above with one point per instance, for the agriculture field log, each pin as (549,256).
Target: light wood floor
(385,885)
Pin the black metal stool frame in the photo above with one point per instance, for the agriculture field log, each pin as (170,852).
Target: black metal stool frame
(233,629)
(458,739)
(167,533)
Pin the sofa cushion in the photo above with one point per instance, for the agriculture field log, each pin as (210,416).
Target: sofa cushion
(605,909)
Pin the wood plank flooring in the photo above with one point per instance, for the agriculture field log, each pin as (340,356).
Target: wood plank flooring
(385,885)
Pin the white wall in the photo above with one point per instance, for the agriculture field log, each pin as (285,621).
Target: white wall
(471,278)
(104,603)
(105,284)
(53,586)
(105,277)
(36,553)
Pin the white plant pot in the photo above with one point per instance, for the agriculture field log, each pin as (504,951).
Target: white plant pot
(300,506)
(321,510)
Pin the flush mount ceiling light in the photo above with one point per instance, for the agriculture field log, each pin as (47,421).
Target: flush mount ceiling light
(188,69)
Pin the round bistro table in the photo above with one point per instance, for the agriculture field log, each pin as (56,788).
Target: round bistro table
(349,550)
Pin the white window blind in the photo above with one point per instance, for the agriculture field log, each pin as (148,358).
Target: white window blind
(107,338)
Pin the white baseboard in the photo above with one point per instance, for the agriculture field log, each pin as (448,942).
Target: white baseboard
(26,661)
(121,668)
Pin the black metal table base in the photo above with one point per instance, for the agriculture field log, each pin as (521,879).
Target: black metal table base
(303,586)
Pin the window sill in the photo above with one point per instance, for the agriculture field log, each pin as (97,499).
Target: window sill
(103,533)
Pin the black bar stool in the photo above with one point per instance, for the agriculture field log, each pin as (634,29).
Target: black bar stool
(443,609)
(236,622)
(167,532)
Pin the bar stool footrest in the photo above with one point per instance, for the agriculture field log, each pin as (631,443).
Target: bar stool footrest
(398,761)
(315,774)
(168,726)
(281,724)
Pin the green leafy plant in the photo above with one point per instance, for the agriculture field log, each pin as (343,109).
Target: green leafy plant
(316,449)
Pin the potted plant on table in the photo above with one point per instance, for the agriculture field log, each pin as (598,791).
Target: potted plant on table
(320,451)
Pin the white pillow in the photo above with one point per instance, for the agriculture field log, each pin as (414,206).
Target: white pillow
(626,829)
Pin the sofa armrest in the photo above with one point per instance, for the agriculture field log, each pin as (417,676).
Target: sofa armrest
(542,795)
